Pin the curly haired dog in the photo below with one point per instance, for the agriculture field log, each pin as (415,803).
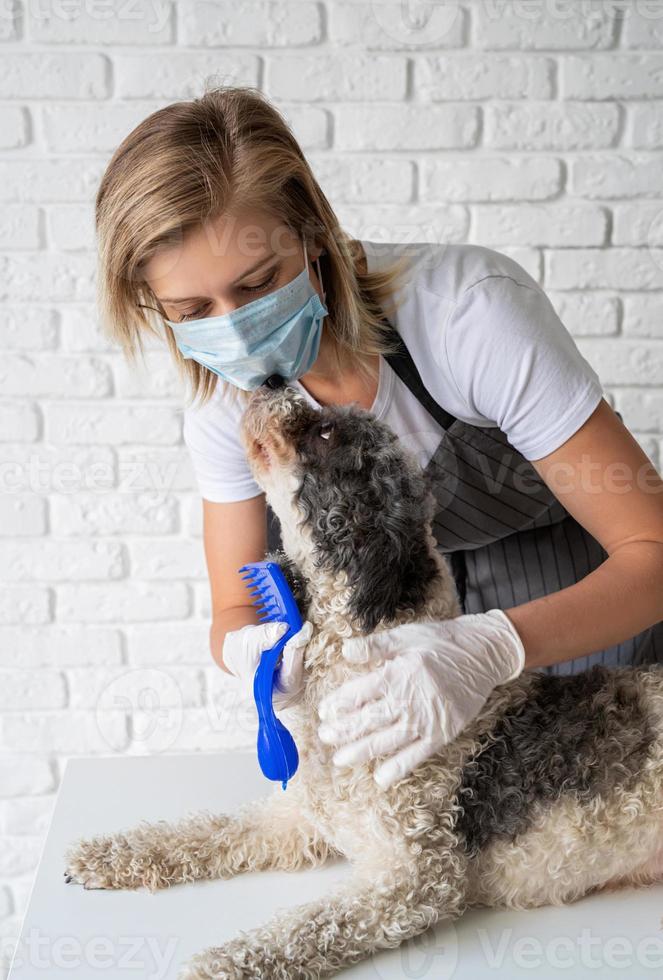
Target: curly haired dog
(555,790)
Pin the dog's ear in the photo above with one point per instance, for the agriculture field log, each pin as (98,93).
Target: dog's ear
(371,523)
(393,569)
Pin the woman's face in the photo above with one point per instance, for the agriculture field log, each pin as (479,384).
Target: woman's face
(224,264)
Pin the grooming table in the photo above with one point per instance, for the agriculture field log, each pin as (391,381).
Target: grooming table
(72,933)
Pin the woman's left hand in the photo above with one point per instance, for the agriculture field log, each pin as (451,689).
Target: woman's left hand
(430,680)
(243,649)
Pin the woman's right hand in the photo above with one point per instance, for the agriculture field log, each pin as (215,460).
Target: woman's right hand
(243,648)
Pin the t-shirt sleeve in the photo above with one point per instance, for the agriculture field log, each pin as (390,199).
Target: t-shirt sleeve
(211,435)
(514,362)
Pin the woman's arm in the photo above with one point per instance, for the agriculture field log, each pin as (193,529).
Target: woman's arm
(233,534)
(607,483)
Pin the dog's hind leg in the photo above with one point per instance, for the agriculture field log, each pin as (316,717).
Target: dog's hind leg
(269,833)
(648,872)
(320,938)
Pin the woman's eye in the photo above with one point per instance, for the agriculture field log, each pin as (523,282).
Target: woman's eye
(262,285)
(192,316)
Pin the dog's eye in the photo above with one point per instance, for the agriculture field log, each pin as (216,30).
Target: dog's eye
(325,430)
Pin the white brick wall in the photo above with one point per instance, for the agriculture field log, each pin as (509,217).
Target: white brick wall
(533,127)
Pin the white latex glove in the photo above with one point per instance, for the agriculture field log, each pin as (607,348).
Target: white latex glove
(243,648)
(435,678)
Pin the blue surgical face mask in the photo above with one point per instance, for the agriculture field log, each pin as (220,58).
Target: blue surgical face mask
(275,334)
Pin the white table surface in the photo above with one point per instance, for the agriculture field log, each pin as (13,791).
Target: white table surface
(70,932)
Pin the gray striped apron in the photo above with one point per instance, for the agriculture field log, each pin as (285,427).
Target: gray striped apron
(507,538)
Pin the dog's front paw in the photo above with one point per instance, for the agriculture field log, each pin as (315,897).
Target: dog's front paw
(90,863)
(111,861)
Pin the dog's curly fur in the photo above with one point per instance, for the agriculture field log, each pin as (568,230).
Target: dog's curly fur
(553,791)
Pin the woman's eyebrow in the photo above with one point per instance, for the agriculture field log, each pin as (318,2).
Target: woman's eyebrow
(247,272)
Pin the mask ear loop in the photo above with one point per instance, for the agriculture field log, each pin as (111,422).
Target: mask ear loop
(317,262)
(324,294)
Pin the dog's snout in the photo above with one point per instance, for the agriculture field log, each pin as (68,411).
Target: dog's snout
(274,381)
(274,411)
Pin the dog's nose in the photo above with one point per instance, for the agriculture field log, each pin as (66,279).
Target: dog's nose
(274,381)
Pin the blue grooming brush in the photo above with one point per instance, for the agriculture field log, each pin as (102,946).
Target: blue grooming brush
(277,752)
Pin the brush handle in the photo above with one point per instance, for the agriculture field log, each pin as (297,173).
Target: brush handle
(277,752)
(270,593)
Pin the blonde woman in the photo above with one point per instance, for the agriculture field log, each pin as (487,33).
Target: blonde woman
(214,232)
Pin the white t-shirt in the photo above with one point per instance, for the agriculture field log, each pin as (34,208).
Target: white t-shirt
(489,348)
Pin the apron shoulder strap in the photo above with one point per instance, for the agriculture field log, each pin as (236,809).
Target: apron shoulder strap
(402,364)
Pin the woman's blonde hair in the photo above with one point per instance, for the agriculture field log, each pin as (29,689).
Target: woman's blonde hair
(193,161)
